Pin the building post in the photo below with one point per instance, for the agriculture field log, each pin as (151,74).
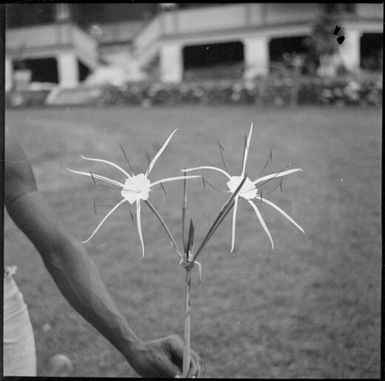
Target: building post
(350,49)
(8,74)
(68,69)
(171,62)
(256,53)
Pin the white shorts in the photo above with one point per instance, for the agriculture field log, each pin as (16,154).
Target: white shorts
(19,355)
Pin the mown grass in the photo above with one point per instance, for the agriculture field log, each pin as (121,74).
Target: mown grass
(309,308)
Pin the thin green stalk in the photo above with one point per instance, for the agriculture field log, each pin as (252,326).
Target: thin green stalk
(184,207)
(187,325)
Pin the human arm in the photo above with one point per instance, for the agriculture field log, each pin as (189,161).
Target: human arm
(76,275)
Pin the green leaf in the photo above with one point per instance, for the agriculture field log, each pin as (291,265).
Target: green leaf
(220,217)
(190,238)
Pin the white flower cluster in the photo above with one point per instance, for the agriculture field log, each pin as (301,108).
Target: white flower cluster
(137,188)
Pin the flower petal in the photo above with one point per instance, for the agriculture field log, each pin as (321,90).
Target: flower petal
(106,162)
(262,221)
(139,225)
(106,179)
(172,179)
(233,224)
(104,219)
(278,174)
(282,212)
(246,152)
(208,167)
(156,157)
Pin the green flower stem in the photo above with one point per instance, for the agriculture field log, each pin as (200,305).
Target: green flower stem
(184,207)
(187,327)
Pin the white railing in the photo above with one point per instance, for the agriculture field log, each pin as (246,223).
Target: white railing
(120,31)
(48,38)
(86,47)
(148,36)
(375,11)
(211,18)
(276,13)
(217,18)
(33,37)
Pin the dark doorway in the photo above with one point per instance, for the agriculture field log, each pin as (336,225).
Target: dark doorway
(213,60)
(371,51)
(84,71)
(283,50)
(42,69)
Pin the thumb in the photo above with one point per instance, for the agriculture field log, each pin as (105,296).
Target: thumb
(177,352)
(171,370)
(176,348)
(171,360)
(195,361)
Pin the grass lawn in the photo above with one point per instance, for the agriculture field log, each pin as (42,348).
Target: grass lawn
(309,308)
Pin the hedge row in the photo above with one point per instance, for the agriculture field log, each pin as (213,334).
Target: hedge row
(265,91)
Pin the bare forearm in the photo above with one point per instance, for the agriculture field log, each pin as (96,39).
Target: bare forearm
(73,271)
(79,281)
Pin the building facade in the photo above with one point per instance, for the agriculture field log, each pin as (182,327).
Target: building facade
(63,43)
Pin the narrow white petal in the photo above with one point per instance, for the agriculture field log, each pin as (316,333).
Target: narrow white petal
(172,179)
(278,174)
(107,162)
(139,225)
(106,179)
(104,219)
(156,157)
(262,221)
(233,223)
(246,151)
(282,212)
(207,167)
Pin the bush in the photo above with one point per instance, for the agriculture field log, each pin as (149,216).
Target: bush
(266,91)
(26,98)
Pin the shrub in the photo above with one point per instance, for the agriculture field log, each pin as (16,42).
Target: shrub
(266,91)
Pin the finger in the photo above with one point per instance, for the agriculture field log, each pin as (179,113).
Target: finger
(176,351)
(164,364)
(171,370)
(195,368)
(176,348)
(199,363)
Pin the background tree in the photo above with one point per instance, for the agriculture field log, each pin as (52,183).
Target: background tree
(322,44)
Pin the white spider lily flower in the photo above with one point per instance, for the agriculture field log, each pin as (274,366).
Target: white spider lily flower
(135,189)
(249,192)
